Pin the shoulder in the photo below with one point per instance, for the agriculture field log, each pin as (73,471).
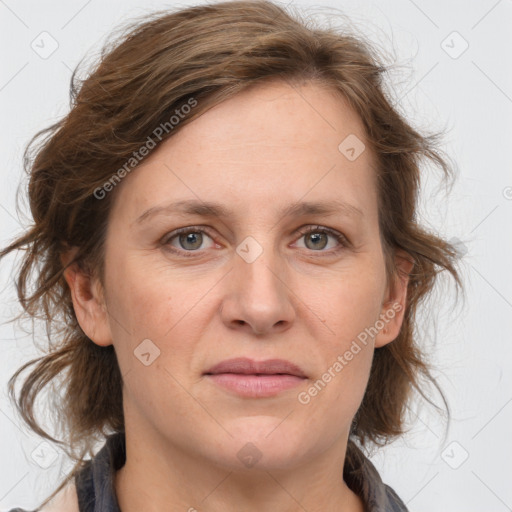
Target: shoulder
(66,500)
(394,500)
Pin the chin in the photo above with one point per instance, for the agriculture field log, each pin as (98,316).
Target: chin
(261,442)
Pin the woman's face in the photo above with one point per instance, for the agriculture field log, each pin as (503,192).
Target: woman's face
(247,281)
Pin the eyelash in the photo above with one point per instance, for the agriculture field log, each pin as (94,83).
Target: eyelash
(341,239)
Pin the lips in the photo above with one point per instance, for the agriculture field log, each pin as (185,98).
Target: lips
(251,379)
(246,366)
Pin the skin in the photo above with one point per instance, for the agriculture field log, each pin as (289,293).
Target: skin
(255,153)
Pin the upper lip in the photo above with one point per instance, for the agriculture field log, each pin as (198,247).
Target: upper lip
(248,366)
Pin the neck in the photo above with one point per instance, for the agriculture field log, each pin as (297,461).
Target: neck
(159,476)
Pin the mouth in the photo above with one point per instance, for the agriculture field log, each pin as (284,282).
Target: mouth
(253,379)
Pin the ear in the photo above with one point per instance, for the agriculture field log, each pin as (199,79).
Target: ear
(395,301)
(88,301)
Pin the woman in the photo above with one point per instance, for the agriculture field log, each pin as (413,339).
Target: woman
(227,230)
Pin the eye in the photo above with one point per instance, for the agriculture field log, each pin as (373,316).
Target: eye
(185,240)
(317,238)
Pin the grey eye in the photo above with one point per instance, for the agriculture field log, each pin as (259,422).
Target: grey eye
(194,238)
(318,240)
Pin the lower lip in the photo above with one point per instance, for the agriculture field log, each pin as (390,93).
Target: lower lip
(254,386)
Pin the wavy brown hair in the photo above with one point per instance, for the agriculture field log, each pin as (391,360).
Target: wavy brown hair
(156,65)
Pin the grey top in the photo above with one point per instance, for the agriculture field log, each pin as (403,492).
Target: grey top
(96,491)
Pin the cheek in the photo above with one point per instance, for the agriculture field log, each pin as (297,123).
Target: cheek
(349,309)
(350,305)
(148,302)
(145,298)
(337,390)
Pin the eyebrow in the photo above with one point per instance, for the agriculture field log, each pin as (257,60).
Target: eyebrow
(216,210)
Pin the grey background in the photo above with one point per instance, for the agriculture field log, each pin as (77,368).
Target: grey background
(438,86)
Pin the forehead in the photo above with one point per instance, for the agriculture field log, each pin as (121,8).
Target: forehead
(273,141)
(275,119)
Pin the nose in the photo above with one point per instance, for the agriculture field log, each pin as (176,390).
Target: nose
(257,299)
